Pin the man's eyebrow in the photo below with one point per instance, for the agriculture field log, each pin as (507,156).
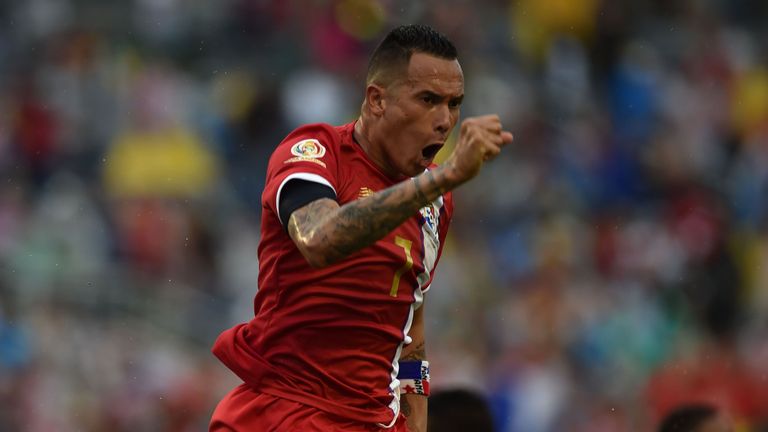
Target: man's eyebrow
(433,95)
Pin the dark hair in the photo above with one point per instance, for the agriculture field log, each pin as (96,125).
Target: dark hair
(398,46)
(687,418)
(458,410)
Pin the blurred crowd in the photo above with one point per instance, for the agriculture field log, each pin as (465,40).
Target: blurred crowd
(609,266)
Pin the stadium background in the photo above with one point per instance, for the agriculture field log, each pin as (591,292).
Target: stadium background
(609,266)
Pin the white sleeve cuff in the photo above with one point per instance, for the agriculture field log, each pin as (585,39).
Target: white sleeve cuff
(301,176)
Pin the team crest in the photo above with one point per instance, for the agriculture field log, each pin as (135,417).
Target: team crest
(309,148)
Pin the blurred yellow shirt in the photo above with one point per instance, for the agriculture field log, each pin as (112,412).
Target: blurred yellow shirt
(537,22)
(170,162)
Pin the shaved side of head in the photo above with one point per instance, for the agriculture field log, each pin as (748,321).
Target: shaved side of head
(390,59)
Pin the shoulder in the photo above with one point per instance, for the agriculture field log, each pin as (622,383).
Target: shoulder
(323,134)
(314,143)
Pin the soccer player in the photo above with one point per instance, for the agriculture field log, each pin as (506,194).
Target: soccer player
(354,220)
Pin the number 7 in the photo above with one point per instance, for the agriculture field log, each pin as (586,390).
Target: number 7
(406,245)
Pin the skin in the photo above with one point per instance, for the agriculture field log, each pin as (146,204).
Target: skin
(401,117)
(420,108)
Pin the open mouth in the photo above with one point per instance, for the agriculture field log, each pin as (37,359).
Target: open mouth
(431,150)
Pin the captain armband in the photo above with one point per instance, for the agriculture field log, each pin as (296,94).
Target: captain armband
(414,377)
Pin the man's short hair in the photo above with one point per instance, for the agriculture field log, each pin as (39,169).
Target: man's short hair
(394,52)
(459,410)
(687,418)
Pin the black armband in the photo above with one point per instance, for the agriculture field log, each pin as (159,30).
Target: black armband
(297,193)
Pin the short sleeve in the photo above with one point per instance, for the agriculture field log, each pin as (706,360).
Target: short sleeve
(309,153)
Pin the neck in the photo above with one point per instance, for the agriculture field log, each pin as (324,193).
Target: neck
(374,152)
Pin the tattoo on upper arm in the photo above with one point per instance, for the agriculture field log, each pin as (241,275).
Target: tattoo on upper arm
(364,221)
(418,353)
(305,219)
(359,223)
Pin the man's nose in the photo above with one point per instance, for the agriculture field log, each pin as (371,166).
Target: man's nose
(443,119)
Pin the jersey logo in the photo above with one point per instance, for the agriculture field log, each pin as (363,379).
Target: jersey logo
(308,150)
(429,216)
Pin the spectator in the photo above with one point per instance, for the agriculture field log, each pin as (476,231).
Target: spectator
(695,418)
(459,410)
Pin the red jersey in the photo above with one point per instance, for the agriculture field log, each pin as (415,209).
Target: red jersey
(331,338)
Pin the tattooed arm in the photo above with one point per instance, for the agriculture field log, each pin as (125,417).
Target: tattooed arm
(414,406)
(326,233)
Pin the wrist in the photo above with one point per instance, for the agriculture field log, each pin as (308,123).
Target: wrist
(435,182)
(428,187)
(447,176)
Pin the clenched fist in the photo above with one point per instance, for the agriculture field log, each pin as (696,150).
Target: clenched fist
(480,139)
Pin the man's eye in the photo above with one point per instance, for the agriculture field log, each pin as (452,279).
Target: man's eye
(427,99)
(454,104)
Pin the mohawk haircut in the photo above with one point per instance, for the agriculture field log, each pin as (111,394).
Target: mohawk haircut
(395,51)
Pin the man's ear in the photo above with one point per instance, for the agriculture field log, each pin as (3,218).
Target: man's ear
(375,99)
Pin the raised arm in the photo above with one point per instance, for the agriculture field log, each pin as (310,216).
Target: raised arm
(325,232)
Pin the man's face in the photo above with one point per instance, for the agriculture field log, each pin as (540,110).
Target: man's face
(421,110)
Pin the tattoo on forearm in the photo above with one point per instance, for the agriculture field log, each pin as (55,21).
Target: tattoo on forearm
(360,223)
(419,194)
(405,407)
(432,183)
(418,353)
